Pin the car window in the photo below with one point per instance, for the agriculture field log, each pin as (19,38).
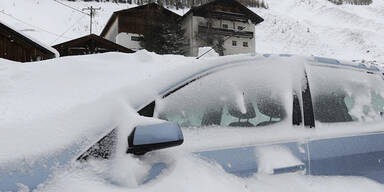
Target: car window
(345,95)
(226,114)
(248,96)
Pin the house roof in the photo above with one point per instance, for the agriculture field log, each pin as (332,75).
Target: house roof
(138,8)
(227,6)
(100,40)
(35,43)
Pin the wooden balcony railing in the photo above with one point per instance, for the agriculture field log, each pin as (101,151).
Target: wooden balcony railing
(204,30)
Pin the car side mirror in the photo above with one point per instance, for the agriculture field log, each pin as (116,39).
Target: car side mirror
(154,137)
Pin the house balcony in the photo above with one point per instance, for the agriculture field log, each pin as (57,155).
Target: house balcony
(204,30)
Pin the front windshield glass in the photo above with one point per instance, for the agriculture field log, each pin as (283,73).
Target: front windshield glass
(345,95)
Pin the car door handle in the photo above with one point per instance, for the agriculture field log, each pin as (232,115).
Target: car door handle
(290,169)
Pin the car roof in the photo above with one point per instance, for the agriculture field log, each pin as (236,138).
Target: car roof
(345,64)
(313,60)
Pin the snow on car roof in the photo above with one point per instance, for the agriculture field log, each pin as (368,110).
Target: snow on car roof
(335,62)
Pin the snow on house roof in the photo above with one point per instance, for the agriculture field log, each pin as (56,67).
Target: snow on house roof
(31,39)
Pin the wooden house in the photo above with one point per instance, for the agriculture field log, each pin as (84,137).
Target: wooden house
(18,47)
(89,44)
(226,25)
(127,27)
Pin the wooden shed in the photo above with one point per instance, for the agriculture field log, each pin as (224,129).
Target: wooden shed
(17,47)
(89,44)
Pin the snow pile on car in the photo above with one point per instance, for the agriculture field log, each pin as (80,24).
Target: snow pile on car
(48,105)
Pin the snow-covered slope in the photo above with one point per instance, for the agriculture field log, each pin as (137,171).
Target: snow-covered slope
(307,27)
(318,27)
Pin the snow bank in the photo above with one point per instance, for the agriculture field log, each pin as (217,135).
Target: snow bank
(186,172)
(51,104)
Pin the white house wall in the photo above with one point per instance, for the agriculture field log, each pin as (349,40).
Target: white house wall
(112,32)
(232,25)
(128,40)
(239,47)
(187,25)
(195,26)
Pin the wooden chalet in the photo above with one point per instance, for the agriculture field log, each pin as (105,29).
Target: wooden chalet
(17,47)
(89,44)
(126,27)
(210,23)
(231,10)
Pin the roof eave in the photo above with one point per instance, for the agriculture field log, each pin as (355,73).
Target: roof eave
(109,24)
(32,41)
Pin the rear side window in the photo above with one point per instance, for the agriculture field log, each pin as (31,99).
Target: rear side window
(345,95)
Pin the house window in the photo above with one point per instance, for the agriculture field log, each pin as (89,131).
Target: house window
(136,38)
(225,26)
(234,43)
(245,44)
(240,28)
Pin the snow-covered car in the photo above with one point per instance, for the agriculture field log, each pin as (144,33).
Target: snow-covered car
(316,116)
(265,114)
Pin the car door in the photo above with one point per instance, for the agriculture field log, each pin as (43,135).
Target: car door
(241,118)
(347,107)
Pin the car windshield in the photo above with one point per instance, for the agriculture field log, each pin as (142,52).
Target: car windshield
(247,96)
(341,95)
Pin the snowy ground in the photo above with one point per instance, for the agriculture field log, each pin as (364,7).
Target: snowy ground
(189,173)
(306,27)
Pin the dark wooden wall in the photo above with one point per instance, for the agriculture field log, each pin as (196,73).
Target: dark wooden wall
(16,48)
(132,23)
(135,21)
